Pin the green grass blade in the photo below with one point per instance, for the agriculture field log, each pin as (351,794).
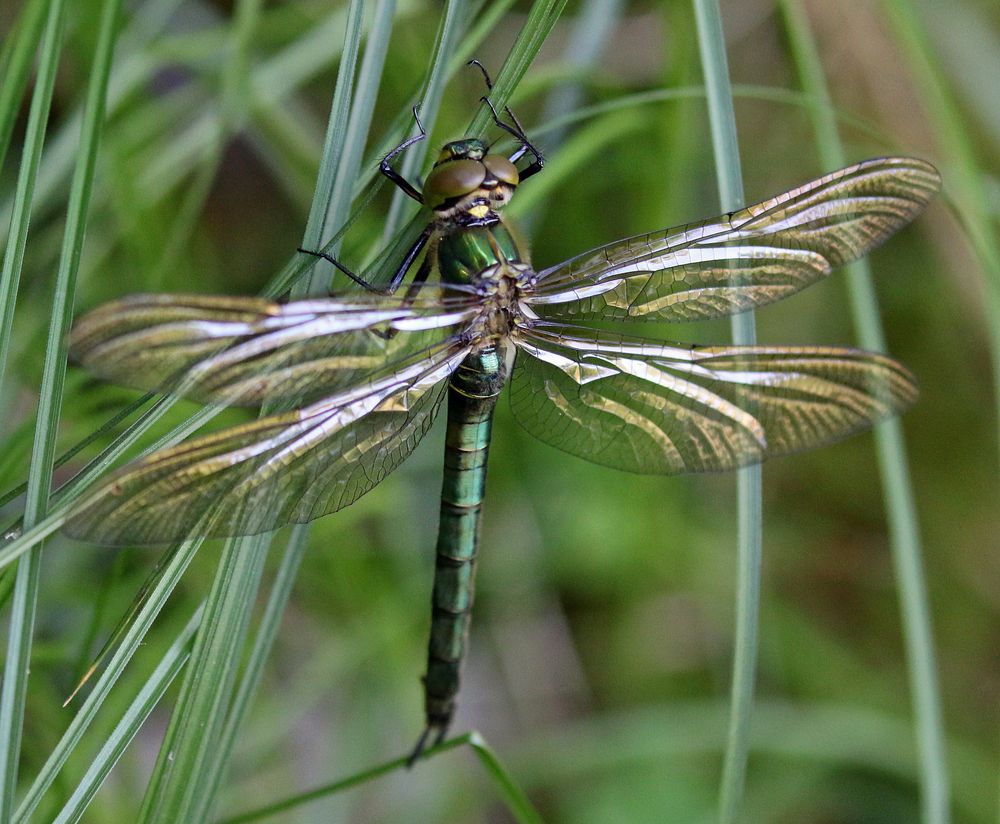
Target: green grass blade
(27,175)
(188,773)
(541,19)
(359,124)
(54,368)
(173,570)
(15,67)
(727,159)
(904,532)
(178,790)
(18,656)
(449,29)
(333,143)
(335,787)
(128,726)
(967,178)
(266,633)
(515,798)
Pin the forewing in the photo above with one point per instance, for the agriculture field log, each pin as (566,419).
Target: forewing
(646,407)
(743,259)
(243,350)
(286,468)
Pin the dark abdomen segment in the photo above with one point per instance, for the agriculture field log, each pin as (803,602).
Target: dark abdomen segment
(472,396)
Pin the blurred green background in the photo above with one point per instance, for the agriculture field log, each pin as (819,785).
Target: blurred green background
(601,644)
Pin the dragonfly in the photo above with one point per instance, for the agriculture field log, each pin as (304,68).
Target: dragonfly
(352,382)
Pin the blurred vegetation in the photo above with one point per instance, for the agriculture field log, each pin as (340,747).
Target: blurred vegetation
(601,643)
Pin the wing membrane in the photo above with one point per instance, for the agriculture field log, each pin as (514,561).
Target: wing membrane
(243,351)
(286,468)
(642,406)
(743,259)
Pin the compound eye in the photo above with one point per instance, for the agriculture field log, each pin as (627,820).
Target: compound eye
(453,179)
(502,169)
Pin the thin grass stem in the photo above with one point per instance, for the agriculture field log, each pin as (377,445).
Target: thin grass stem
(725,146)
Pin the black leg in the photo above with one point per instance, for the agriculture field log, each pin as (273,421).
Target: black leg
(404,267)
(489,87)
(356,278)
(429,738)
(526,145)
(517,130)
(395,176)
(398,275)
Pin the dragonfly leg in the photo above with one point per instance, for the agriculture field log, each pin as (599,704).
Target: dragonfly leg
(411,294)
(517,130)
(356,278)
(526,145)
(407,262)
(432,735)
(386,169)
(398,275)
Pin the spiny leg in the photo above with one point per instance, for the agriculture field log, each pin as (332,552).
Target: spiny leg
(409,189)
(387,170)
(398,275)
(517,130)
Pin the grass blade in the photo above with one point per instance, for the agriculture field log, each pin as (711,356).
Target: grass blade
(448,32)
(17,662)
(333,143)
(542,18)
(15,66)
(516,799)
(267,631)
(177,790)
(712,47)
(130,723)
(133,638)
(967,179)
(904,532)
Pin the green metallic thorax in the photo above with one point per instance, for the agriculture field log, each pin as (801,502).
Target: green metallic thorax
(466,252)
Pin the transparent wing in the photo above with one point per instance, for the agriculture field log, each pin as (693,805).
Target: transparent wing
(744,259)
(286,468)
(651,408)
(243,350)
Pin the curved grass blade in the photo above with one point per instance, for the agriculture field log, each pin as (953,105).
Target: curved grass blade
(514,798)
(904,532)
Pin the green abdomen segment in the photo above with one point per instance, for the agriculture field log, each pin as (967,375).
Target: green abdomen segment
(472,396)
(464,255)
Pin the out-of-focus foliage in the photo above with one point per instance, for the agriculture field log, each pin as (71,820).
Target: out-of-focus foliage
(601,639)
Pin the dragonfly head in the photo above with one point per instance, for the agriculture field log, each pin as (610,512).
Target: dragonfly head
(466,180)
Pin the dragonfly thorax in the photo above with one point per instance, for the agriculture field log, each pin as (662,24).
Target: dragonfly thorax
(502,288)
(467,185)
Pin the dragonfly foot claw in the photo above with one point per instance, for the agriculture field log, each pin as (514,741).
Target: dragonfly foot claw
(432,735)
